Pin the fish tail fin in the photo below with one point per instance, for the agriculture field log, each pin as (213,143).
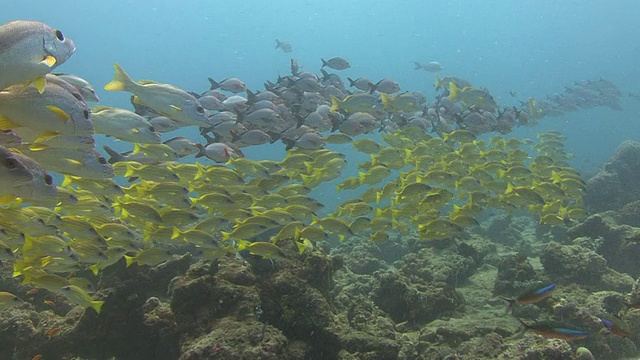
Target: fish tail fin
(28,278)
(68,180)
(176,233)
(324,63)
(251,97)
(290,144)
(95,269)
(325,74)
(214,84)
(372,88)
(97,305)
(418,65)
(121,81)
(510,188)
(335,103)
(526,326)
(438,83)
(129,260)
(242,244)
(453,91)
(201,173)
(386,101)
(301,247)
(363,177)
(200,151)
(352,82)
(115,156)
(239,115)
(278,43)
(510,302)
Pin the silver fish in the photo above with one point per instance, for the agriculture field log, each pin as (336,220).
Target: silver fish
(29,50)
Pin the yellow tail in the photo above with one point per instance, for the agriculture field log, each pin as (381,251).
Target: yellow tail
(335,103)
(386,101)
(453,91)
(97,305)
(129,260)
(120,80)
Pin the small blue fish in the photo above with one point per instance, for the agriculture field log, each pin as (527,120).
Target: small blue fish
(530,297)
(552,331)
(615,327)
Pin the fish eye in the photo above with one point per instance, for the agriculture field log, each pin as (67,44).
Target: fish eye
(10,163)
(59,35)
(102,160)
(152,129)
(48,179)
(86,114)
(200,109)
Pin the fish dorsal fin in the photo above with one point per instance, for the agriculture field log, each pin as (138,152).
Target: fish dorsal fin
(61,114)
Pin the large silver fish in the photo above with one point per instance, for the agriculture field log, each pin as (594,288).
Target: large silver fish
(54,110)
(21,176)
(165,99)
(29,50)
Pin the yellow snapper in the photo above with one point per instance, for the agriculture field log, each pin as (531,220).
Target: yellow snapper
(265,249)
(83,86)
(80,297)
(29,50)
(85,163)
(124,125)
(165,99)
(55,110)
(23,177)
(8,300)
(150,256)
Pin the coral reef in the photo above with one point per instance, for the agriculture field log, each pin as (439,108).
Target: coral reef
(616,185)
(576,264)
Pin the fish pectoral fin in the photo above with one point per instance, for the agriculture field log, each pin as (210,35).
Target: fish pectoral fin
(6,123)
(175,107)
(135,131)
(61,114)
(49,60)
(136,100)
(40,83)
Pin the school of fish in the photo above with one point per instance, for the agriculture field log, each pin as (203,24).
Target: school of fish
(152,203)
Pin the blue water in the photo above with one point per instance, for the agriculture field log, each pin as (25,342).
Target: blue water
(532,47)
